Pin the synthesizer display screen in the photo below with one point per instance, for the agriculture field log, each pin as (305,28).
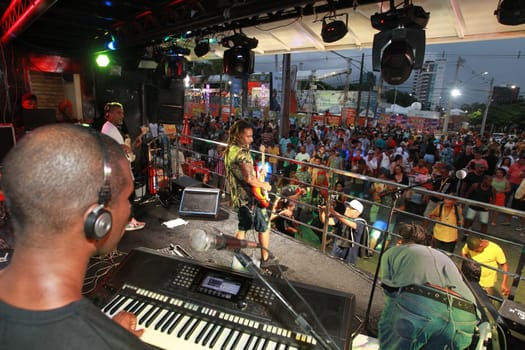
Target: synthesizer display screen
(218,286)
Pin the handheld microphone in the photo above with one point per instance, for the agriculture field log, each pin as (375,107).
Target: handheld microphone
(202,241)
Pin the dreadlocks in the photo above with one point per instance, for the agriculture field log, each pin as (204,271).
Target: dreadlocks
(236,129)
(412,233)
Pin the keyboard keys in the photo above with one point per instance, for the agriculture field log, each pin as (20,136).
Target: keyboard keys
(181,325)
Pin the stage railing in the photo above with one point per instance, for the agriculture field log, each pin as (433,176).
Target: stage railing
(309,204)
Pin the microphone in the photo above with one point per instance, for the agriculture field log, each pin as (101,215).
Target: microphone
(202,241)
(461,174)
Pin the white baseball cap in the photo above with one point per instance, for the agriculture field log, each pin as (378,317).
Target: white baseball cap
(355,204)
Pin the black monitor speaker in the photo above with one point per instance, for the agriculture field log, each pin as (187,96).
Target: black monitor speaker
(199,201)
(170,108)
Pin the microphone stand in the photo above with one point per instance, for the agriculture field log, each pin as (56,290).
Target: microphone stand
(396,194)
(248,264)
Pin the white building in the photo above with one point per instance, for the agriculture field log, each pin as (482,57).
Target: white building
(428,83)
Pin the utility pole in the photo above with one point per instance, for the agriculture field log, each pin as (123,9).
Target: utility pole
(285,110)
(449,104)
(358,107)
(486,112)
(345,94)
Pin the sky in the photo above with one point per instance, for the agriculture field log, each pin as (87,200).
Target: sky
(503,59)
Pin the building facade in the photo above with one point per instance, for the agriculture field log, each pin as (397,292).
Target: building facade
(428,84)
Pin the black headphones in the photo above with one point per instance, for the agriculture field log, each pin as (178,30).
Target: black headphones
(107,107)
(99,220)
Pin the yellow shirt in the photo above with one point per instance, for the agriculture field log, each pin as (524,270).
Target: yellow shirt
(275,151)
(491,256)
(446,233)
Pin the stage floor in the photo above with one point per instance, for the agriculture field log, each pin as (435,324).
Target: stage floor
(305,264)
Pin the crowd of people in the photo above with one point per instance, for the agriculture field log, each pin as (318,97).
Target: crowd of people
(494,170)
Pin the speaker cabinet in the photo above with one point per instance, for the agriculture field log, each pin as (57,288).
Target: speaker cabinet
(171,103)
(7,139)
(199,201)
(514,315)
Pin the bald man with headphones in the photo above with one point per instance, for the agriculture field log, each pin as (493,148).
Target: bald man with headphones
(66,190)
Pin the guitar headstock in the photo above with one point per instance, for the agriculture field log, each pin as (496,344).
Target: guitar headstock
(262,148)
(143,130)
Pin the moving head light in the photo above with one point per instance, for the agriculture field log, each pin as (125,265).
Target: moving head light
(239,40)
(402,50)
(239,59)
(511,12)
(409,17)
(335,30)
(400,46)
(202,47)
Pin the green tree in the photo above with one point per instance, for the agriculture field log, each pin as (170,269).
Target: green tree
(401,98)
(506,115)
(499,116)
(206,67)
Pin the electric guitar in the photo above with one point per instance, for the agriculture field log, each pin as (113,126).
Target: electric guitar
(261,195)
(138,141)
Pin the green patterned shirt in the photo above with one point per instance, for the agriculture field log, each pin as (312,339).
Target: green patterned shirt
(240,191)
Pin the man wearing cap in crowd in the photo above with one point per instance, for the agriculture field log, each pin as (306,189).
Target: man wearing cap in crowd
(350,227)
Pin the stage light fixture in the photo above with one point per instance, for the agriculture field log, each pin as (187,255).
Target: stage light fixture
(409,16)
(111,44)
(397,62)
(239,40)
(178,51)
(402,49)
(202,47)
(334,30)
(175,67)
(400,46)
(238,61)
(102,60)
(510,12)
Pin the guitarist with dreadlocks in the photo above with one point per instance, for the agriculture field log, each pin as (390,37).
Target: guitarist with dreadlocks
(242,178)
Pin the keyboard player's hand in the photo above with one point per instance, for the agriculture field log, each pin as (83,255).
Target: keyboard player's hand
(129,322)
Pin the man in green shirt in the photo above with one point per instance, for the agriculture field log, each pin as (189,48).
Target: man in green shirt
(251,213)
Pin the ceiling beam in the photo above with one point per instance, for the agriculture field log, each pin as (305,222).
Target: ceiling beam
(21,14)
(314,38)
(459,20)
(233,17)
